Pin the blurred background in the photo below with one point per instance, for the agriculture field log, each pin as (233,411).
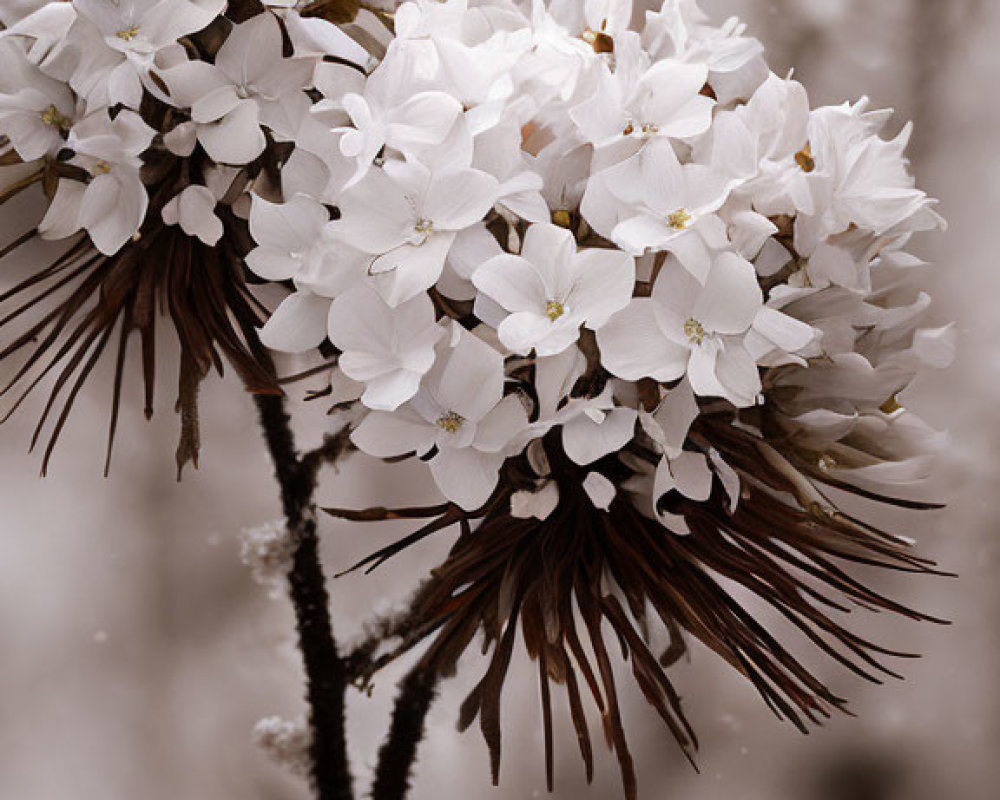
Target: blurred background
(136,652)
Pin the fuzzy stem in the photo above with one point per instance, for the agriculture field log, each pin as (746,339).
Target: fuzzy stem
(399,750)
(326,677)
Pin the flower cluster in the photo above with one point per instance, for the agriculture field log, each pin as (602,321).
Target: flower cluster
(630,299)
(619,287)
(545,219)
(148,124)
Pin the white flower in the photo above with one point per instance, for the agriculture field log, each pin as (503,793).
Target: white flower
(194,210)
(407,217)
(112,204)
(592,427)
(653,202)
(120,41)
(388,349)
(640,100)
(551,289)
(461,412)
(230,99)
(296,241)
(36,111)
(382,111)
(699,329)
(859,178)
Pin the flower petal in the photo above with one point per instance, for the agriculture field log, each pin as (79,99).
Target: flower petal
(298,324)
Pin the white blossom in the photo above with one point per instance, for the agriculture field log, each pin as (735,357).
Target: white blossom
(551,289)
(460,412)
(112,204)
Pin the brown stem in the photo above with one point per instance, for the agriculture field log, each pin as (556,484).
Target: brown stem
(326,676)
(398,753)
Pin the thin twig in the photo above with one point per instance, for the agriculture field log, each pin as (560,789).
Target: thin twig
(326,677)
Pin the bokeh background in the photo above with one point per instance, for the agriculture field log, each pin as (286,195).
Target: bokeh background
(136,653)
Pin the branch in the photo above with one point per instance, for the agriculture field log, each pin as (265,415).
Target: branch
(326,677)
(398,753)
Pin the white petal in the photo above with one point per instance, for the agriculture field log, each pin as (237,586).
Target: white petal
(411,269)
(298,324)
(388,392)
(674,416)
(469,378)
(600,490)
(496,430)
(215,104)
(633,346)
(524,330)
(113,208)
(182,139)
(692,476)
(422,120)
(731,297)
(236,138)
(387,434)
(273,264)
(603,285)
(460,198)
(513,282)
(196,215)
(783,331)
(737,372)
(294,226)
(62,218)
(585,442)
(537,505)
(467,477)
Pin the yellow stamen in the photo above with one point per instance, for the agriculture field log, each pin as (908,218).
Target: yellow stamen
(100,168)
(680,219)
(890,406)
(562,218)
(650,128)
(450,422)
(804,158)
(52,116)
(554,310)
(128,34)
(695,331)
(424,226)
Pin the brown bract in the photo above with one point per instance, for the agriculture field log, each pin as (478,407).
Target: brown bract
(569,579)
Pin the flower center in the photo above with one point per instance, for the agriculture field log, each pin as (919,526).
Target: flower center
(562,218)
(554,309)
(680,219)
(100,168)
(424,226)
(52,116)
(649,128)
(128,34)
(890,406)
(804,158)
(600,41)
(450,422)
(694,330)
(827,463)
